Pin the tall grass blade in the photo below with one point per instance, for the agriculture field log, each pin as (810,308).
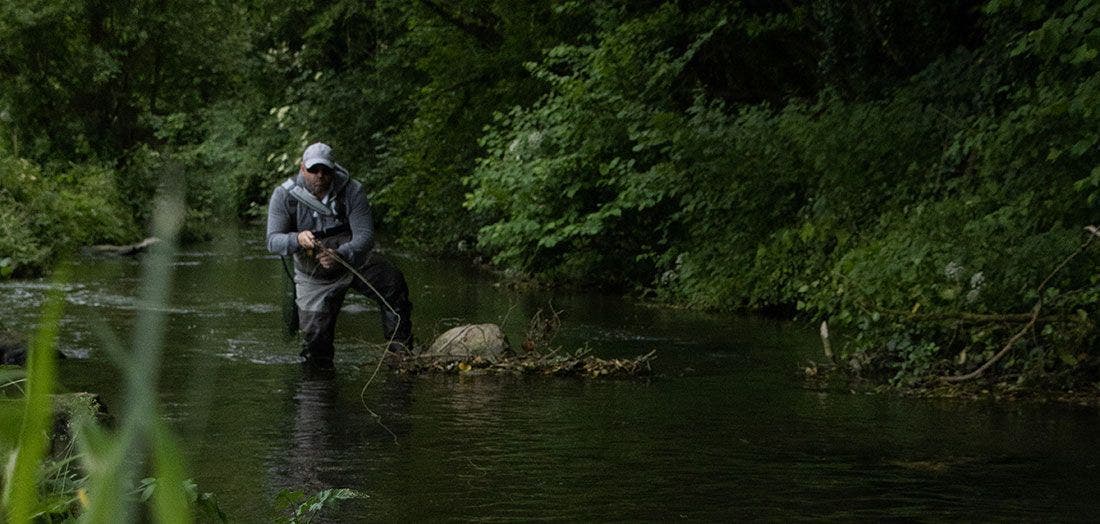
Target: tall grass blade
(21,490)
(109,485)
(170,500)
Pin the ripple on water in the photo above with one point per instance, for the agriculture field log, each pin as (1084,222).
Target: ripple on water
(200,254)
(39,285)
(100,298)
(263,352)
(257,352)
(260,257)
(76,353)
(595,333)
(248,307)
(358,308)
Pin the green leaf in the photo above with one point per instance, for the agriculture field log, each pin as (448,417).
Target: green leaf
(287,498)
(1082,54)
(172,502)
(11,420)
(147,492)
(1083,146)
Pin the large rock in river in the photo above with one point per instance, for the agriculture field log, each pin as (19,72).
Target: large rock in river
(472,340)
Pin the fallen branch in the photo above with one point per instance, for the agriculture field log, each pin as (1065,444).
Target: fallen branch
(1094,233)
(127,250)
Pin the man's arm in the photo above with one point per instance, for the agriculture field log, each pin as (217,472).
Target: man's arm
(356,250)
(281,238)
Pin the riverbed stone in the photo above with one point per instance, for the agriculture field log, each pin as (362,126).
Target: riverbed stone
(472,340)
(13,348)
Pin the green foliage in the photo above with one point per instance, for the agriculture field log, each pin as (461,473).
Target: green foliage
(82,77)
(94,86)
(463,62)
(48,212)
(571,187)
(868,46)
(294,507)
(151,487)
(850,207)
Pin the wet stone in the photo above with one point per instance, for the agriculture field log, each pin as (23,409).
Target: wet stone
(486,341)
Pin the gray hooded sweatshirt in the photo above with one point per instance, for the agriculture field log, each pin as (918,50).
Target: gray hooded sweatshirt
(345,195)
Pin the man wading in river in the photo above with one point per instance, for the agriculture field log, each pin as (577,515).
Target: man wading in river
(322,217)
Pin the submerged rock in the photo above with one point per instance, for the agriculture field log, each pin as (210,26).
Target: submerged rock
(486,341)
(13,349)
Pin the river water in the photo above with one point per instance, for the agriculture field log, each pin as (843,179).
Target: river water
(724,430)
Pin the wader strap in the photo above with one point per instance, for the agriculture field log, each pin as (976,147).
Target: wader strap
(307,199)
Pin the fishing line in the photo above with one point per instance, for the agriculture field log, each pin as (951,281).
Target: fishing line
(362,393)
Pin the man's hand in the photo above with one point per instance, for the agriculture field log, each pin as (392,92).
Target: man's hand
(326,259)
(305,239)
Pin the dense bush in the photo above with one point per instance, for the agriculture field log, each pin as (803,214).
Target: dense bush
(902,216)
(46,213)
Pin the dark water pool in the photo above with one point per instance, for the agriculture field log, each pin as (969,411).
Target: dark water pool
(724,431)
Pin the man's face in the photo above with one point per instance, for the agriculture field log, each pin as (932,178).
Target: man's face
(318,178)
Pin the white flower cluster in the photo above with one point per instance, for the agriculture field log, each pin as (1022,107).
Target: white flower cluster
(953,270)
(976,281)
(523,146)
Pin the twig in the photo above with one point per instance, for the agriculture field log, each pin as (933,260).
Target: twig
(1011,342)
(1093,234)
(504,321)
(541,332)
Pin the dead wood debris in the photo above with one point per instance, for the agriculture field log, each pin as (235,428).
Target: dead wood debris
(578,364)
(536,355)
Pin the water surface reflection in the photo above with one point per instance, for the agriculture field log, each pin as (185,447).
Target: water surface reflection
(724,431)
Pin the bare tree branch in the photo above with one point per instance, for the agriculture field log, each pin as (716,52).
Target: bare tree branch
(1093,235)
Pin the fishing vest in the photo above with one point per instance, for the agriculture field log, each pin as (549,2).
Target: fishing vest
(335,208)
(331,236)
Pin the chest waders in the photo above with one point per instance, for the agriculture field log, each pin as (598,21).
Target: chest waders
(290,297)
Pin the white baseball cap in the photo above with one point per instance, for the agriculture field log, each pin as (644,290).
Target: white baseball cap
(318,153)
